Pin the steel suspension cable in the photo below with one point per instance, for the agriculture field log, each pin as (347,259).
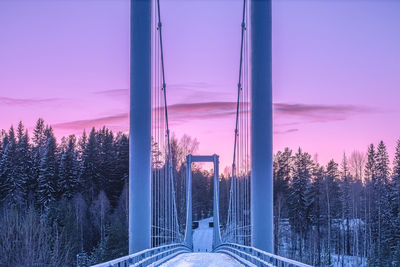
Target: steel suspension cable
(235,205)
(172,220)
(239,85)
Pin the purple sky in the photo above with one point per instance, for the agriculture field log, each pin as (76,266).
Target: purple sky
(336,70)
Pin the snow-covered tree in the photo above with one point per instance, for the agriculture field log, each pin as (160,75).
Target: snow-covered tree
(68,170)
(10,188)
(298,200)
(38,146)
(90,167)
(47,181)
(382,201)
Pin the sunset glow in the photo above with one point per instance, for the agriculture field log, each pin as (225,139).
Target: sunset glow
(336,78)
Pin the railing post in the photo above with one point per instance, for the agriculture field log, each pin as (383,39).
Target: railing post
(261,127)
(140,128)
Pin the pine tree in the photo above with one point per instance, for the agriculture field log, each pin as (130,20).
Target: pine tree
(47,181)
(317,196)
(90,167)
(23,164)
(8,186)
(383,201)
(68,170)
(282,172)
(370,179)
(396,205)
(39,144)
(108,179)
(121,161)
(332,199)
(2,138)
(345,198)
(297,199)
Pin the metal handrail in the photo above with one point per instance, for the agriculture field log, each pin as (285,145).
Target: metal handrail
(258,256)
(145,257)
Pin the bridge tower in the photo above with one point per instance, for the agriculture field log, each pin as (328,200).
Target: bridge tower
(140,127)
(261,126)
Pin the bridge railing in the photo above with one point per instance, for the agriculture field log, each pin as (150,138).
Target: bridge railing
(147,257)
(246,254)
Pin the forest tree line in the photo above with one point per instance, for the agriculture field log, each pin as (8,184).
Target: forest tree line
(61,199)
(339,212)
(58,199)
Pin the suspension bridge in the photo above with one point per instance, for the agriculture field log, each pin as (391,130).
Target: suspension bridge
(157,235)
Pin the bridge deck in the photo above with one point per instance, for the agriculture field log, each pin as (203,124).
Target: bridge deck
(203,236)
(202,259)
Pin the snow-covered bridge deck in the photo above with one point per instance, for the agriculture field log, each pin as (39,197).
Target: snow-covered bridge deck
(202,236)
(202,259)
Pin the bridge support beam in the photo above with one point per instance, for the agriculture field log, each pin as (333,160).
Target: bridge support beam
(216,230)
(261,127)
(140,127)
(188,232)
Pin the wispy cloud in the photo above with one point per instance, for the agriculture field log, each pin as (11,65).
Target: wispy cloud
(183,92)
(320,113)
(26,101)
(113,93)
(119,119)
(191,85)
(207,110)
(293,114)
(286,131)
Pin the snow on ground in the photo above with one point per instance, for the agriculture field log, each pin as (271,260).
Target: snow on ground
(345,260)
(202,259)
(203,236)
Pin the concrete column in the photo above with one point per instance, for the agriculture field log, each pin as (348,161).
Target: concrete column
(188,232)
(140,128)
(216,230)
(261,126)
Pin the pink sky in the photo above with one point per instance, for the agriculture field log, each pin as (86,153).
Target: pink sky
(336,70)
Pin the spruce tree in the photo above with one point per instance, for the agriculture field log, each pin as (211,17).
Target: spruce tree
(332,200)
(68,170)
(90,167)
(383,203)
(345,198)
(23,164)
(47,181)
(8,185)
(38,146)
(317,212)
(297,199)
(282,172)
(396,205)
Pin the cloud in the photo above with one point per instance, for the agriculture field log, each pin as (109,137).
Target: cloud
(288,114)
(286,131)
(26,101)
(190,85)
(120,119)
(319,113)
(113,93)
(207,110)
(183,92)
